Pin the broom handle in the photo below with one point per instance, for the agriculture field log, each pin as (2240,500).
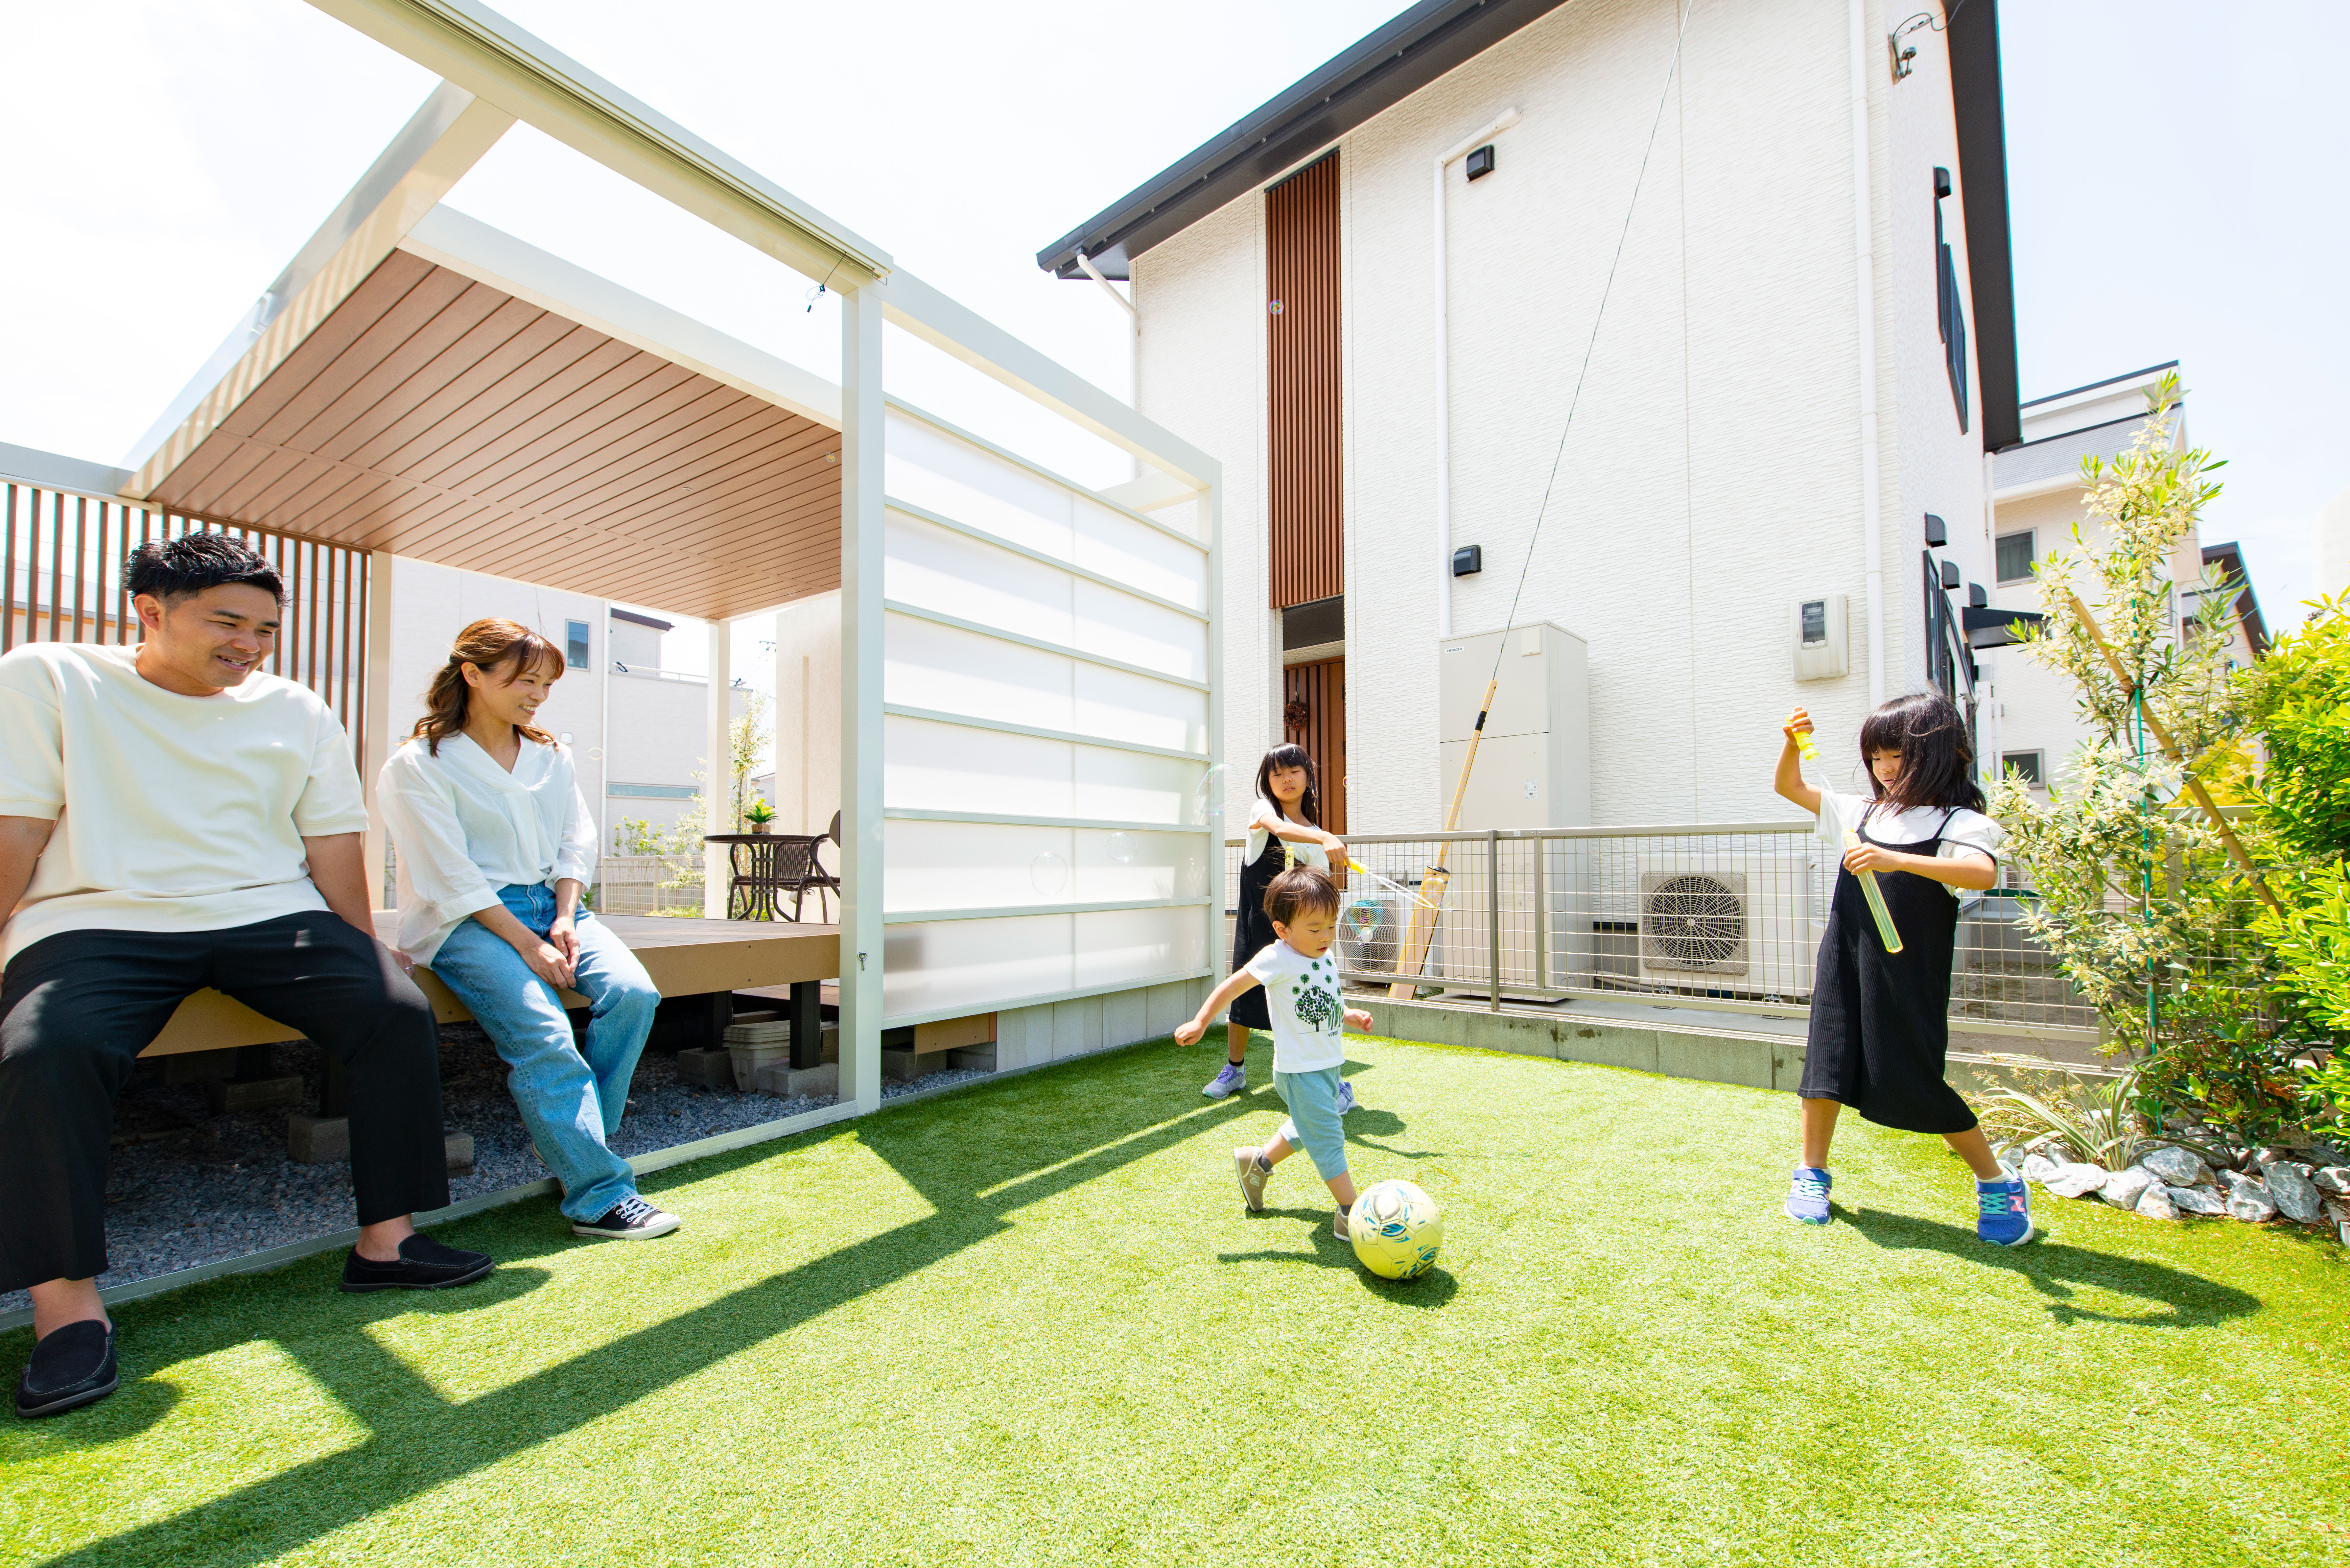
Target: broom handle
(1422,929)
(2162,738)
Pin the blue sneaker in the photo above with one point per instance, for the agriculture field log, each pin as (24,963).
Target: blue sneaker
(1231,1081)
(1345,1097)
(2005,1216)
(1807,1195)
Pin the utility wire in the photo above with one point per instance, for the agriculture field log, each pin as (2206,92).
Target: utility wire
(1663,97)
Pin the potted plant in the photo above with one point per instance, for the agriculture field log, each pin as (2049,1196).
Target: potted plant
(760,815)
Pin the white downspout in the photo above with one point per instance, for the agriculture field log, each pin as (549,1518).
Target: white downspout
(1872,527)
(1468,144)
(1133,347)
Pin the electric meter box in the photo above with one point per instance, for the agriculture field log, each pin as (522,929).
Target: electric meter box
(1821,638)
(1534,767)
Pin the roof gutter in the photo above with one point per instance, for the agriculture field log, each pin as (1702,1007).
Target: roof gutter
(1981,119)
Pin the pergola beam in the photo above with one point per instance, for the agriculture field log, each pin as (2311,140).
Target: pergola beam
(487,55)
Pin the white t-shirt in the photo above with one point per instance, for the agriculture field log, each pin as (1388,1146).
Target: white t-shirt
(1265,812)
(465,827)
(174,813)
(1301,997)
(1968,831)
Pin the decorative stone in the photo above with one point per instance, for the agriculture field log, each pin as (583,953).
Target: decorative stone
(2250,1201)
(2155,1202)
(2039,1168)
(2123,1188)
(2078,1180)
(2272,1155)
(2195,1201)
(2291,1193)
(2333,1180)
(2176,1167)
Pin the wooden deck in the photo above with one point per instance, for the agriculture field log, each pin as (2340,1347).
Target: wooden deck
(685,958)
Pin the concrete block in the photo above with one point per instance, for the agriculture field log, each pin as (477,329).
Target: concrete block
(1606,1044)
(1022,1037)
(711,1069)
(1125,1017)
(1714,1058)
(459,1149)
(783,1081)
(198,1067)
(225,1096)
(904,1067)
(981,1057)
(317,1140)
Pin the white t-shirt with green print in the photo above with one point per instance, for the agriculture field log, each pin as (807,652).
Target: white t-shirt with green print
(1301,997)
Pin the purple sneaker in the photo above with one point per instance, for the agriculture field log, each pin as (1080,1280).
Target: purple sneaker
(1231,1081)
(1807,1195)
(1346,1095)
(2003,1215)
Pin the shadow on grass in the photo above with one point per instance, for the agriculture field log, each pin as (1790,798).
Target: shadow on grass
(2180,1300)
(976,1158)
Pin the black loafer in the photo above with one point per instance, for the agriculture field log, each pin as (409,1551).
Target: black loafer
(424,1265)
(72,1367)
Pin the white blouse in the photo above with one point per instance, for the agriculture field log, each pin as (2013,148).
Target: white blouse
(1965,831)
(1260,818)
(466,827)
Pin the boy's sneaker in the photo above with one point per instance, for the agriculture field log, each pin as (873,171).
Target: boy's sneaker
(1338,1225)
(1345,1097)
(1252,1176)
(629,1219)
(1807,1195)
(1232,1080)
(2004,1212)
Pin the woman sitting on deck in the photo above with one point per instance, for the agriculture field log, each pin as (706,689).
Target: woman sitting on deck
(497,846)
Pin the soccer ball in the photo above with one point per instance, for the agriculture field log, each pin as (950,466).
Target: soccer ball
(1396,1229)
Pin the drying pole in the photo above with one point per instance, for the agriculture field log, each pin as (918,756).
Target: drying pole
(1413,956)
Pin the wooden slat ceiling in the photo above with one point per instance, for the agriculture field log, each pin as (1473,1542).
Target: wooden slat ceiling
(439,418)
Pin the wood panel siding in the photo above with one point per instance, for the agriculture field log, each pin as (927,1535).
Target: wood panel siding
(61,558)
(435,417)
(1314,715)
(1303,475)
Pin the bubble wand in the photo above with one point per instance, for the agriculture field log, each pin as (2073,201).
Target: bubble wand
(1876,898)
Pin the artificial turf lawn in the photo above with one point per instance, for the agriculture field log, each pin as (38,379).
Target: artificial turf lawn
(1031,1324)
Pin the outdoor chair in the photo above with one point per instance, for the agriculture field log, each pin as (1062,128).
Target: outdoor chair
(763,867)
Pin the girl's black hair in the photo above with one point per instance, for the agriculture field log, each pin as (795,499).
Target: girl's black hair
(1289,756)
(1938,759)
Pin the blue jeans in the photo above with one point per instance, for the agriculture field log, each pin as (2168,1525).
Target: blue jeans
(570,1099)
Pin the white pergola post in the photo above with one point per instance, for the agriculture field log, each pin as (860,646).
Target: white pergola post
(861,427)
(718,782)
(1211,518)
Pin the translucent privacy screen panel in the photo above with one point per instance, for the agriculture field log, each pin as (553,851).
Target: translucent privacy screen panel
(1046,729)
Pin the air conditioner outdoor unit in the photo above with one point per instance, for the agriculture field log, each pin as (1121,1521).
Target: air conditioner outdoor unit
(1742,924)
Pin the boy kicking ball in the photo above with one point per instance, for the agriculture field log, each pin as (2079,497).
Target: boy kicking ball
(1301,985)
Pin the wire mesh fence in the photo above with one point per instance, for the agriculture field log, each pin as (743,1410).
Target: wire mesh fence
(647,884)
(1727,915)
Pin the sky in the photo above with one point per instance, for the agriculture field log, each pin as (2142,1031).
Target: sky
(2172,175)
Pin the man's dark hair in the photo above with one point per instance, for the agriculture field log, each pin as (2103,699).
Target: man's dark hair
(174,568)
(1301,890)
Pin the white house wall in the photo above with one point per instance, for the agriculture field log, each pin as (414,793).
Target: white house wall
(807,714)
(1712,476)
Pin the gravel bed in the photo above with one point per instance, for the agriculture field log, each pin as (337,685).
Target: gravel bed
(185,1187)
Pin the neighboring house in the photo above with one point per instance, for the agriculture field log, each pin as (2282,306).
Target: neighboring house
(1342,335)
(658,727)
(2329,545)
(2030,723)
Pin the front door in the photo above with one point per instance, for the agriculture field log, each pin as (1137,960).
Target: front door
(1314,715)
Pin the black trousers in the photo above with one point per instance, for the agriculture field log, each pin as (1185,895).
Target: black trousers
(76,1010)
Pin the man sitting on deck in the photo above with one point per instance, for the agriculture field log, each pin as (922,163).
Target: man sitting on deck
(171,819)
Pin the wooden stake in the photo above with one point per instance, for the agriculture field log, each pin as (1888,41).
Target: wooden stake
(1422,929)
(2162,738)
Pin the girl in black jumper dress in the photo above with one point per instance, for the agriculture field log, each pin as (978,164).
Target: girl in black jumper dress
(1880,1021)
(1281,832)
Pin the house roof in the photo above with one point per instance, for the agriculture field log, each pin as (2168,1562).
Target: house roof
(2230,558)
(1429,39)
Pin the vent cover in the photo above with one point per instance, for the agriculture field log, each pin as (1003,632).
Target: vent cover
(1693,920)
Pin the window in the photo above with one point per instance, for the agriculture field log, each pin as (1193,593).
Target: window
(2025,766)
(2015,556)
(575,644)
(1952,312)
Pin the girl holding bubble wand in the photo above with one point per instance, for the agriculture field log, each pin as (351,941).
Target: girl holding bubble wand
(1282,831)
(1880,1023)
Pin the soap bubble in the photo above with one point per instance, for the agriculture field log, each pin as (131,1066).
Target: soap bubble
(1120,848)
(1208,796)
(1364,917)
(1049,873)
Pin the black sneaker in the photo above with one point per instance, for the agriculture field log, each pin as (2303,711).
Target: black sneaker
(72,1366)
(424,1265)
(629,1219)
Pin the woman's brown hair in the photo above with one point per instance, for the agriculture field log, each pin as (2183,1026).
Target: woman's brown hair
(488,646)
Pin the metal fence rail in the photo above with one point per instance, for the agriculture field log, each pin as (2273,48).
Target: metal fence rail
(641,884)
(1724,916)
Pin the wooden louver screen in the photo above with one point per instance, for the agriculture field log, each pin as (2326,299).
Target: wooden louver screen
(61,563)
(1303,474)
(1314,715)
